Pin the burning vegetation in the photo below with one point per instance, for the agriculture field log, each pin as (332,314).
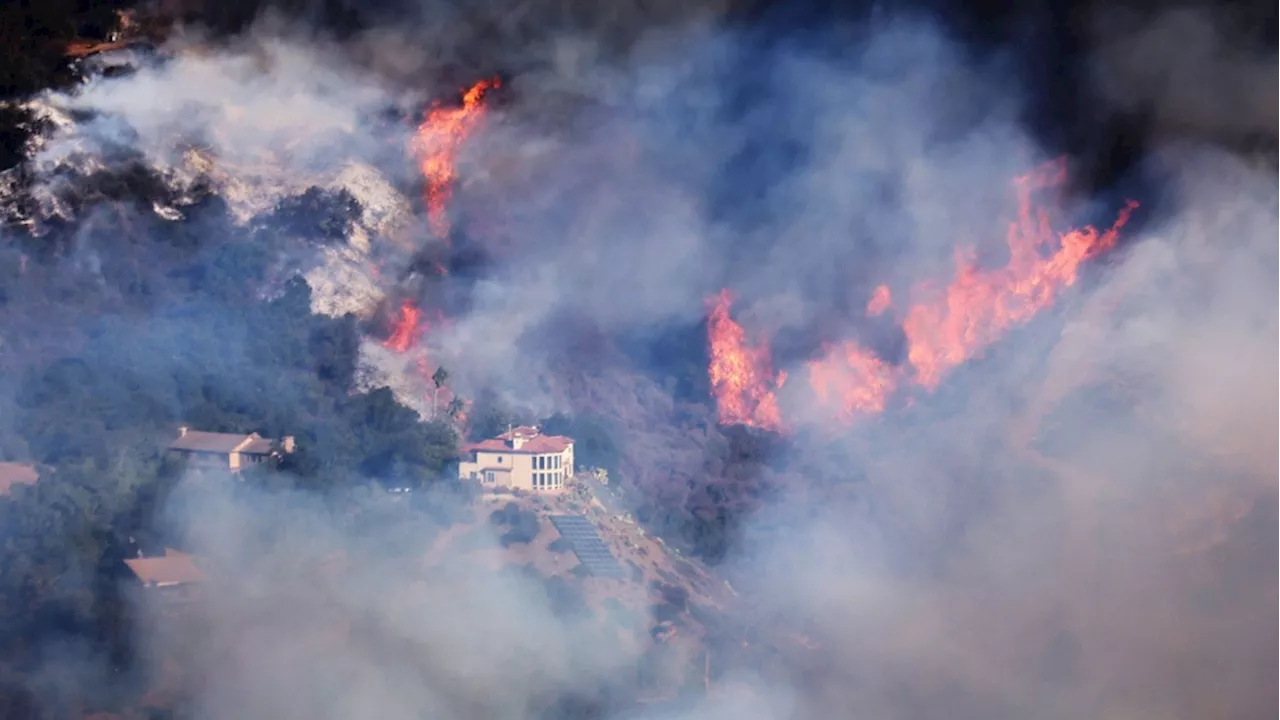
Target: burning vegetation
(742,376)
(436,145)
(944,326)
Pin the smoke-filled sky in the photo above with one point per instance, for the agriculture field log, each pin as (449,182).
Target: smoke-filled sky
(1078,523)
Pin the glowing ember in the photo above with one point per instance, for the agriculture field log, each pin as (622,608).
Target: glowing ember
(943,328)
(436,145)
(407,329)
(742,378)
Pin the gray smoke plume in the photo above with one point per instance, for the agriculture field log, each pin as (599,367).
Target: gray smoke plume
(308,615)
(1092,532)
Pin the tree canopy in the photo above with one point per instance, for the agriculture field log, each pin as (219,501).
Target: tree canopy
(119,327)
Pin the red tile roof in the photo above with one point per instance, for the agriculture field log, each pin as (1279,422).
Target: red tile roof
(174,568)
(524,431)
(538,445)
(12,473)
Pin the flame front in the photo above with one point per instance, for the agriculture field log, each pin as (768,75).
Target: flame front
(407,329)
(742,378)
(852,380)
(978,306)
(436,146)
(943,328)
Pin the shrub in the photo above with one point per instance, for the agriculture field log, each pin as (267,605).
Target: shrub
(506,516)
(664,612)
(566,600)
(523,527)
(675,595)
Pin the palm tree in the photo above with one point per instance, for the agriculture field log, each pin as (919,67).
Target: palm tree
(439,378)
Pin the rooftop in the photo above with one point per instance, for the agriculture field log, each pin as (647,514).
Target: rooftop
(12,473)
(520,431)
(198,441)
(173,568)
(531,443)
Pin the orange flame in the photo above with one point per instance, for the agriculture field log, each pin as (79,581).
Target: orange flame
(980,305)
(742,377)
(406,333)
(943,329)
(436,145)
(852,380)
(407,328)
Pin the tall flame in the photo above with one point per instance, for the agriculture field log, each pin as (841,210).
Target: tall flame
(943,328)
(407,328)
(980,305)
(742,377)
(436,146)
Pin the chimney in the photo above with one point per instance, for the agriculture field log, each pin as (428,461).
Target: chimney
(182,431)
(517,442)
(287,444)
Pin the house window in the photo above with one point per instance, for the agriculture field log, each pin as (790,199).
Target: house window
(542,464)
(499,459)
(557,462)
(488,476)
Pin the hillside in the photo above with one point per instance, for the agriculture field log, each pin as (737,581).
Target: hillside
(654,631)
(664,601)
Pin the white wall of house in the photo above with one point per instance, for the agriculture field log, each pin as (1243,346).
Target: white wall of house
(520,470)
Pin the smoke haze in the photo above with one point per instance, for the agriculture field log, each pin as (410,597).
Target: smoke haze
(1080,522)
